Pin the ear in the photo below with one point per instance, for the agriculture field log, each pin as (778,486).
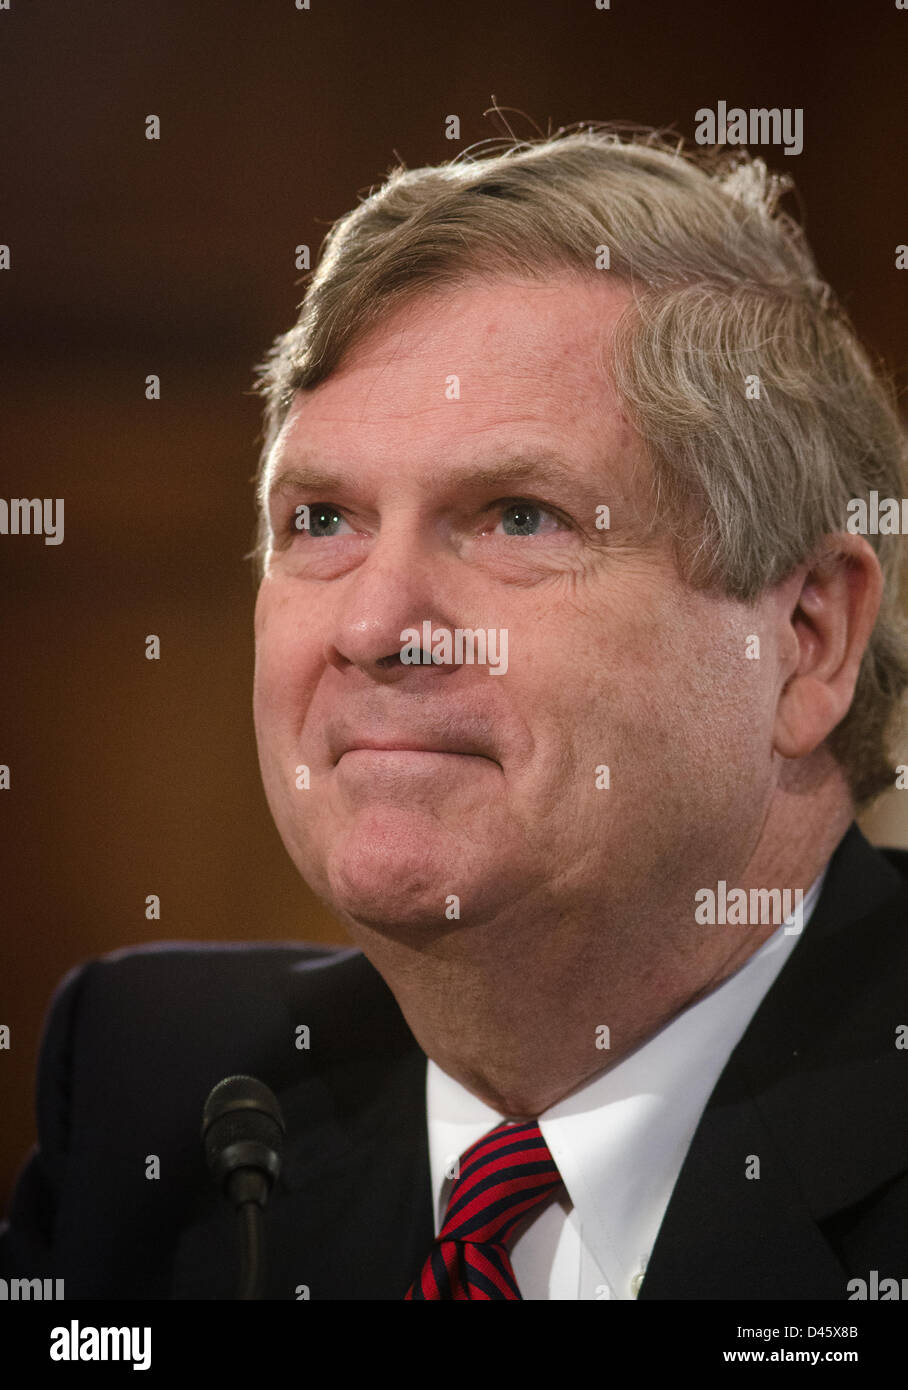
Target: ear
(827,612)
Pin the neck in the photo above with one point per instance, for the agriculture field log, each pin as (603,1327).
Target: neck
(513,1009)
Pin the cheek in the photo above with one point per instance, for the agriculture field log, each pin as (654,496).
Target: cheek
(280,667)
(662,684)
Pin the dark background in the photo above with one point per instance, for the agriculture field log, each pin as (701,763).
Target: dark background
(176,257)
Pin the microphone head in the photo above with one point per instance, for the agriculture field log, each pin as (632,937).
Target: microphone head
(243,1128)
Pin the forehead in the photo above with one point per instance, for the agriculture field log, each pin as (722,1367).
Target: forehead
(471,368)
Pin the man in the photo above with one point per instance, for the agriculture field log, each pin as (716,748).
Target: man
(563,646)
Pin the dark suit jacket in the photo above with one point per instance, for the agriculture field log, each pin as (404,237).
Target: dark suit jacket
(817,1089)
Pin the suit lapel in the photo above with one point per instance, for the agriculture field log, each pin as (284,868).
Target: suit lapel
(354,1217)
(808,1093)
(351,1214)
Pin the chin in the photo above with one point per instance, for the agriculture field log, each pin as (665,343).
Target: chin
(385,888)
(407,921)
(395,869)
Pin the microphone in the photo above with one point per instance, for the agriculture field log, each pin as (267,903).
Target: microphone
(243,1135)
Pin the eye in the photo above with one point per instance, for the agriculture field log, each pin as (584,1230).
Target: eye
(524,518)
(322,519)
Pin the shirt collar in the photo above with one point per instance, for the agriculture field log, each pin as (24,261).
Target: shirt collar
(621,1138)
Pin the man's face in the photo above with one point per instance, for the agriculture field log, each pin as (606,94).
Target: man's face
(473,505)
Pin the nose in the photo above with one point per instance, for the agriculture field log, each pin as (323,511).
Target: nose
(406,579)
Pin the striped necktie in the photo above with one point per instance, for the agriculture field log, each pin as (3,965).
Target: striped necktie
(503,1177)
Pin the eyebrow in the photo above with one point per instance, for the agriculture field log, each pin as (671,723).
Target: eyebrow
(530,465)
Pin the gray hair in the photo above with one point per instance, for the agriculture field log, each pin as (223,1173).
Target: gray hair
(725,288)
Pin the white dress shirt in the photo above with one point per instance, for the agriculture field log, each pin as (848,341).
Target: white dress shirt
(619,1141)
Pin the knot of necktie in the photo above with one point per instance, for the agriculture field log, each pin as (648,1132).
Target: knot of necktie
(502,1178)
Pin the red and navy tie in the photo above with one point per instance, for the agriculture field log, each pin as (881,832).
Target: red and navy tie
(503,1177)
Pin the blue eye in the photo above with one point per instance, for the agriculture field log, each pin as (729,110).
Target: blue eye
(320,520)
(324,521)
(522,518)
